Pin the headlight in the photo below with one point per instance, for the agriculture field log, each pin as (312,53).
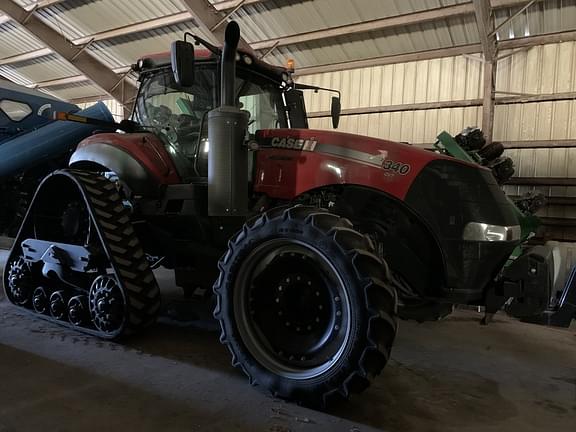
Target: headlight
(477,231)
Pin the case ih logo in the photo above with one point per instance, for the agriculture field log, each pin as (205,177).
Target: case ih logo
(293,143)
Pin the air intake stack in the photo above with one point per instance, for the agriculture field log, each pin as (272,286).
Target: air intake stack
(227,126)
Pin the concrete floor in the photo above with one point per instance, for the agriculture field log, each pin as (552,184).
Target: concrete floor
(452,375)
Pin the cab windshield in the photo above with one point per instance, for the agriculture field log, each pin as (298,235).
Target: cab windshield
(180,113)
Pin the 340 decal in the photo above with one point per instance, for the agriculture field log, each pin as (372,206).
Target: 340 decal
(398,167)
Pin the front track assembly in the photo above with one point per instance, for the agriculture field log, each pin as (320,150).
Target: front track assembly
(77,261)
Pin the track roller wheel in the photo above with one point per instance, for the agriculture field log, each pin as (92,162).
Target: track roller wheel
(58,305)
(107,305)
(78,313)
(40,300)
(305,306)
(20,283)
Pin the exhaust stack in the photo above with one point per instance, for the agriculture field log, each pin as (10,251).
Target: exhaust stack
(227,125)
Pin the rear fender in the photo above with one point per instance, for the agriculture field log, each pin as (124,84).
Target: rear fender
(140,160)
(109,158)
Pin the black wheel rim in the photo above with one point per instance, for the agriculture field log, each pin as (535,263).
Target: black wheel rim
(58,305)
(40,300)
(107,304)
(292,309)
(78,310)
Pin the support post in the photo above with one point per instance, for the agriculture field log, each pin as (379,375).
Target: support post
(488,100)
(485,24)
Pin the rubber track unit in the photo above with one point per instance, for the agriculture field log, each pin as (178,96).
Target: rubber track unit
(111,219)
(377,308)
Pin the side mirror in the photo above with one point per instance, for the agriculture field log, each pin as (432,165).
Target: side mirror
(335,109)
(182,60)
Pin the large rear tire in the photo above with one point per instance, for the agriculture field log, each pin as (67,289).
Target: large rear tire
(305,306)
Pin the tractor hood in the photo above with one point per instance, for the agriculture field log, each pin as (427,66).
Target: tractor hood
(365,149)
(346,158)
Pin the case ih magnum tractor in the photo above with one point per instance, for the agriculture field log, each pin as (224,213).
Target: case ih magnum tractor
(310,238)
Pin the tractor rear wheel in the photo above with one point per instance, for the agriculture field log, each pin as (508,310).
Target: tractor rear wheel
(305,305)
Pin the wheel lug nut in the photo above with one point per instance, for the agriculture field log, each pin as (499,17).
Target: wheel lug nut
(298,278)
(288,280)
(277,300)
(338,313)
(337,298)
(336,327)
(302,358)
(309,283)
(317,293)
(320,307)
(317,319)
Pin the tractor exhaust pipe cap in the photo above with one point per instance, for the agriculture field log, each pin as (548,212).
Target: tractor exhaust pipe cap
(228,69)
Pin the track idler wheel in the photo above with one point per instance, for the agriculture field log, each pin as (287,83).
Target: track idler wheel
(20,283)
(58,306)
(78,313)
(107,306)
(40,300)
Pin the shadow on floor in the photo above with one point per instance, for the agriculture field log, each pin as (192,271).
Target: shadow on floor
(48,395)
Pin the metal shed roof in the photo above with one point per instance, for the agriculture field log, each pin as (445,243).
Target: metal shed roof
(312,32)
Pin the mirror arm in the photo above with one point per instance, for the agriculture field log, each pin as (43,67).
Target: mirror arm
(199,41)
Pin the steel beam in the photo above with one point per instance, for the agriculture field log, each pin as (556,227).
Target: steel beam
(40,4)
(207,17)
(539,144)
(83,61)
(30,55)
(542,181)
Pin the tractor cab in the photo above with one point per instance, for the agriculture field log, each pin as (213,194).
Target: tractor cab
(177,112)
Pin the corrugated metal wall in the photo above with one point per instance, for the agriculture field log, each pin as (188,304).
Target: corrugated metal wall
(541,69)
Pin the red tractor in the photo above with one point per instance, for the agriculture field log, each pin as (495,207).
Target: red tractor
(311,239)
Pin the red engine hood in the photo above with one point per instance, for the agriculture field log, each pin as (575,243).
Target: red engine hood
(293,161)
(371,146)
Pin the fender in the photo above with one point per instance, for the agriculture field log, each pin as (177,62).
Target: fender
(139,159)
(413,243)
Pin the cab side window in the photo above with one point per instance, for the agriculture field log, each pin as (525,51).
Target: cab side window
(15,111)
